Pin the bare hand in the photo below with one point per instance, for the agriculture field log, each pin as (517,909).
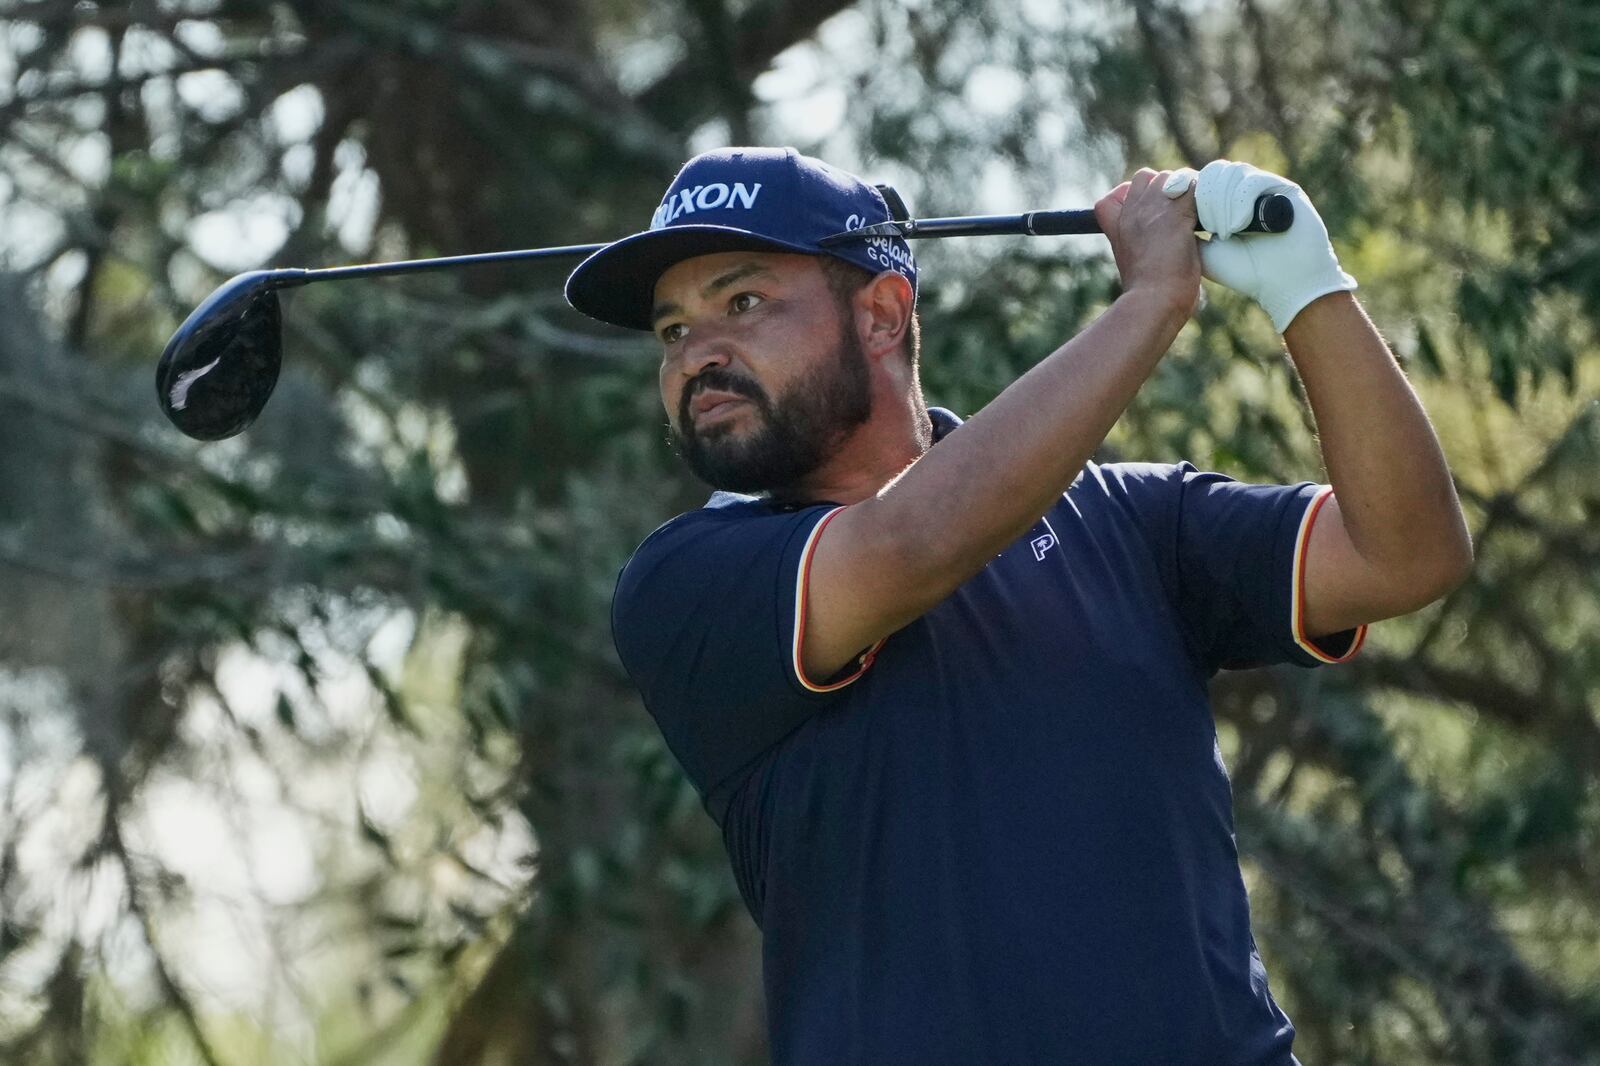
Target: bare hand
(1152,237)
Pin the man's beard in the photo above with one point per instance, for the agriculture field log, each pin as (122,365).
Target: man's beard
(792,437)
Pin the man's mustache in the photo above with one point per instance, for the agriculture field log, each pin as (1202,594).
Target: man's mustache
(723,381)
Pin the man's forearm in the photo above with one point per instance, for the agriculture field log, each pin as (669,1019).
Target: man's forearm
(984,486)
(1384,461)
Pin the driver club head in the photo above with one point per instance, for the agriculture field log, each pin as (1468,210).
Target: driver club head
(220,367)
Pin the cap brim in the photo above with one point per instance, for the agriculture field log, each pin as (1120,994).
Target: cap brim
(617,284)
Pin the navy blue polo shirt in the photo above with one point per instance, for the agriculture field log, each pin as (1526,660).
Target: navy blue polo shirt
(1005,833)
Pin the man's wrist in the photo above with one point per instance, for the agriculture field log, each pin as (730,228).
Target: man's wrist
(1170,304)
(1317,315)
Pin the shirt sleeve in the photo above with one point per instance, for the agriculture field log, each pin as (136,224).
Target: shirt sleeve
(1234,560)
(708,619)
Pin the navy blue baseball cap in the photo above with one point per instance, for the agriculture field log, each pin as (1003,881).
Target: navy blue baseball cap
(732,200)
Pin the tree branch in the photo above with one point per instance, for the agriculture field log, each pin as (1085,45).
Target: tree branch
(1271,94)
(139,908)
(689,92)
(1156,50)
(1534,712)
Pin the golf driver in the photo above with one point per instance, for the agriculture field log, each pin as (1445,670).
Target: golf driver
(219,369)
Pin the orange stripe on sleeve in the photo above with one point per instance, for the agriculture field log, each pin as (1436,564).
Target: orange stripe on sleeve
(1297,610)
(802,589)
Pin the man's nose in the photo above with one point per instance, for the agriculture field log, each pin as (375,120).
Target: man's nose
(704,349)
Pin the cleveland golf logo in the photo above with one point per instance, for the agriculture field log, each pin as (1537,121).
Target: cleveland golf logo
(886,251)
(705,198)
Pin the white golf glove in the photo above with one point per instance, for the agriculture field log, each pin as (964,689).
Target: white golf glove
(1280,271)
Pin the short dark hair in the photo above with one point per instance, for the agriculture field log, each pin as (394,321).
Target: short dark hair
(846,279)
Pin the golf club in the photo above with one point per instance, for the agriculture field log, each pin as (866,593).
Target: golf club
(219,369)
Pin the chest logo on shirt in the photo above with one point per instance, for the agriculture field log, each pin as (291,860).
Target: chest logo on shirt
(1041,544)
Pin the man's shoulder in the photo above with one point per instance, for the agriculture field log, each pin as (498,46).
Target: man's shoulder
(727,521)
(720,508)
(1122,477)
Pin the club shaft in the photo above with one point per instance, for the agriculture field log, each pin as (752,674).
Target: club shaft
(1027,224)
(1033,223)
(413,266)
(1272,213)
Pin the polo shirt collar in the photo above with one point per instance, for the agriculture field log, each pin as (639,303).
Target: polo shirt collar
(943,422)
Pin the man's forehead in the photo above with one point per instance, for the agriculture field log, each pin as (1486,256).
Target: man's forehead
(708,273)
(702,270)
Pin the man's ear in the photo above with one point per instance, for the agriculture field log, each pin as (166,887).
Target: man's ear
(883,313)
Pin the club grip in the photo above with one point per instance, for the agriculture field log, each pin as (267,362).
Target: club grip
(1274,213)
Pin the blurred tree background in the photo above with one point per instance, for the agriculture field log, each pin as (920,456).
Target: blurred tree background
(313,746)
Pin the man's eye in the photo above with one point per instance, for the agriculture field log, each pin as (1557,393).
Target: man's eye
(672,334)
(744,301)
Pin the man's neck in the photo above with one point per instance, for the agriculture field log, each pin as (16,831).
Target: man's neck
(875,453)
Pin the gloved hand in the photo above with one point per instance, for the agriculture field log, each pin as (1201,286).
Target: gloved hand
(1280,271)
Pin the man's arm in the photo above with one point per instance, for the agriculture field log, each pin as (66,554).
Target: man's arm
(885,561)
(1392,538)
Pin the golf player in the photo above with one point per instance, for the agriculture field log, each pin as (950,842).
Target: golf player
(942,684)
